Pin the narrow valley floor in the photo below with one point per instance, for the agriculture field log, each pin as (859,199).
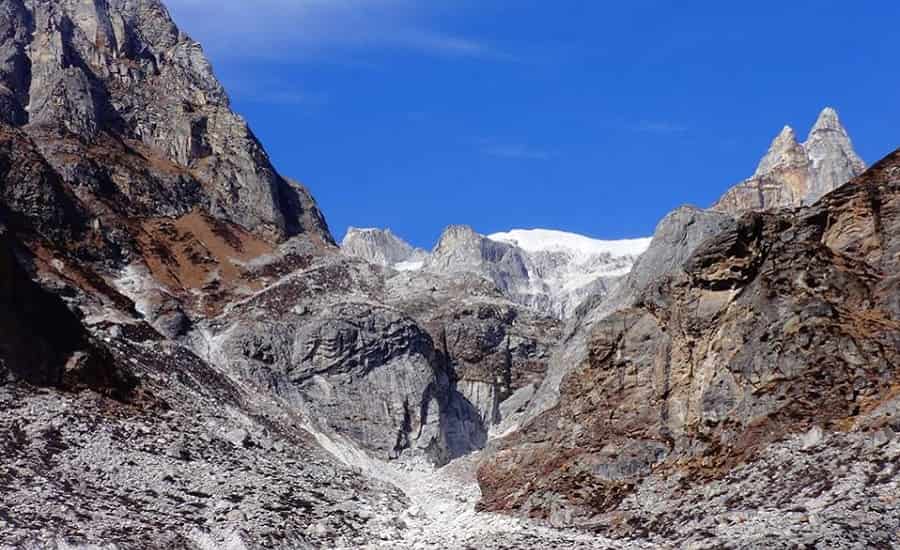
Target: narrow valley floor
(442,513)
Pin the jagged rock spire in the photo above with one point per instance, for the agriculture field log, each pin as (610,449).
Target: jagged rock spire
(794,174)
(785,150)
(832,159)
(828,120)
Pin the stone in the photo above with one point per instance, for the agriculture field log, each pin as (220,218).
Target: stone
(813,438)
(382,247)
(676,237)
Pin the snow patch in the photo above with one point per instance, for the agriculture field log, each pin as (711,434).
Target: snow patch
(548,240)
(136,282)
(409,266)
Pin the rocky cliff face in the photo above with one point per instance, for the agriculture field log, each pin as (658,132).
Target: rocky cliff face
(494,347)
(778,333)
(794,174)
(127,109)
(675,239)
(324,341)
(184,303)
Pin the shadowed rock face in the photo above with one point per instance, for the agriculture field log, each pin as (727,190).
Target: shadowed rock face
(44,343)
(493,346)
(40,335)
(794,174)
(778,324)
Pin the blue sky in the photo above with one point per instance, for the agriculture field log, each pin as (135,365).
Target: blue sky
(592,117)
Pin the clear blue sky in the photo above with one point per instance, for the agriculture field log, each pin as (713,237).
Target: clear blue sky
(586,116)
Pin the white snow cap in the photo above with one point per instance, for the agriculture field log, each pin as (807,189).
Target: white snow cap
(547,240)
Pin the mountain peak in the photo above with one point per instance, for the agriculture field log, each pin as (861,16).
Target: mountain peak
(785,150)
(96,73)
(381,247)
(833,161)
(787,135)
(828,120)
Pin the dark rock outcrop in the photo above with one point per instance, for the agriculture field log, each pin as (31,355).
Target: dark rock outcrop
(44,343)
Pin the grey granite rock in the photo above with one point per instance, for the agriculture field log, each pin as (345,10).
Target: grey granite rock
(833,161)
(492,345)
(321,340)
(382,247)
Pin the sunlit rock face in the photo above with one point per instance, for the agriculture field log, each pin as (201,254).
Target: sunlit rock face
(382,247)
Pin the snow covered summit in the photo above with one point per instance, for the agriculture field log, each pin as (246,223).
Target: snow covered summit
(549,271)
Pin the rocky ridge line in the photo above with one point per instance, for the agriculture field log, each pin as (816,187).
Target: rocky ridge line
(552,275)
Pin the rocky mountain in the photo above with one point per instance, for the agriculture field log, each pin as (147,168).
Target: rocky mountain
(187,361)
(674,240)
(793,174)
(771,353)
(551,272)
(178,322)
(124,106)
(382,247)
